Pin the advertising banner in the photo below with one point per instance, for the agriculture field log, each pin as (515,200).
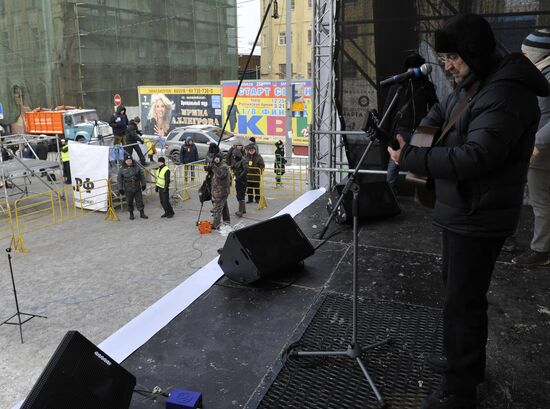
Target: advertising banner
(259,110)
(165,108)
(89,173)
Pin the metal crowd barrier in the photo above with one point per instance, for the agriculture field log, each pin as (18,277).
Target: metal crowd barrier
(46,209)
(189,177)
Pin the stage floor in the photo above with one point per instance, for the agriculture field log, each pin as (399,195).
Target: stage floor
(230,344)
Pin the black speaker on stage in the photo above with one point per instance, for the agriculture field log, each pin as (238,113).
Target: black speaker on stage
(79,375)
(264,249)
(376,200)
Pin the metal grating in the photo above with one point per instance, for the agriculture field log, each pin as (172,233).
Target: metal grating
(398,369)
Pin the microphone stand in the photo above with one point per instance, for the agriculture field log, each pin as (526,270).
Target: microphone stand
(18,313)
(354,350)
(353,176)
(266,13)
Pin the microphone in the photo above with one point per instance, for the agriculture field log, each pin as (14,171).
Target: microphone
(424,69)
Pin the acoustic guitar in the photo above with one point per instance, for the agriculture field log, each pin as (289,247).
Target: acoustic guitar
(424,136)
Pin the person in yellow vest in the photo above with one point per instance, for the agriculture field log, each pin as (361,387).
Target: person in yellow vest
(162,186)
(65,160)
(151,148)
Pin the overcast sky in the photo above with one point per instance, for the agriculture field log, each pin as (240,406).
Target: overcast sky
(248,21)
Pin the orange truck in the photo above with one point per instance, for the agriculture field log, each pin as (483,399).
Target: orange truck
(81,125)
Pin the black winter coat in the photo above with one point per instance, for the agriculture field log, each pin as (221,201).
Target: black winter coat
(188,153)
(240,169)
(133,134)
(480,168)
(41,151)
(119,121)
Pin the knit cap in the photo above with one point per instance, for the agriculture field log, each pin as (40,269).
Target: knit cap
(536,45)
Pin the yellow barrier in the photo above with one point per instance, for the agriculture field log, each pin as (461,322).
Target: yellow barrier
(36,212)
(189,176)
(33,213)
(291,183)
(6,225)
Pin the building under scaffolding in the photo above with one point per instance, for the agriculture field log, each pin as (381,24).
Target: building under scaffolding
(59,52)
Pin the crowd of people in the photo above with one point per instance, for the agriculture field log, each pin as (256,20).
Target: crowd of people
(242,165)
(246,166)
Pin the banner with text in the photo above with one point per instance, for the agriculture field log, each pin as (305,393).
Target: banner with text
(165,108)
(259,110)
(90,174)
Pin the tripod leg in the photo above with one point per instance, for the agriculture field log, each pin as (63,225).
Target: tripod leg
(371,383)
(20,328)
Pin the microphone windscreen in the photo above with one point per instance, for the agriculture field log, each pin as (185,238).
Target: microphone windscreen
(425,69)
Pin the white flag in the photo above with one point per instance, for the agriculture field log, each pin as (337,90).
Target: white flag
(90,175)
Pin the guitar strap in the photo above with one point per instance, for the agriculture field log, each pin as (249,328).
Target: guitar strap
(458,111)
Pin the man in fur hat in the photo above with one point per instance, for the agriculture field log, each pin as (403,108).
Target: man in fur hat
(479,168)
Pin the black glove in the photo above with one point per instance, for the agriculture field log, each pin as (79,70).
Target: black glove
(156,188)
(121,191)
(143,188)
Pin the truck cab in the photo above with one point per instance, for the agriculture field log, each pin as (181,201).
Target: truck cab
(83,125)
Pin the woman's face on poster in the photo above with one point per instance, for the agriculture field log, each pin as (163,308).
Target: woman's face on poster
(160,109)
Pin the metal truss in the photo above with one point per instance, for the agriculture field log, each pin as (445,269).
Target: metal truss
(323,147)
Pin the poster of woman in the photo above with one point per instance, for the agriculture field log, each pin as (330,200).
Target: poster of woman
(159,116)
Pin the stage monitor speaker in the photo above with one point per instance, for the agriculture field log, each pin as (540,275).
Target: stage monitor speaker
(80,375)
(264,249)
(376,200)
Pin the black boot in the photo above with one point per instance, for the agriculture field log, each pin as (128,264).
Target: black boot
(132,215)
(142,214)
(239,213)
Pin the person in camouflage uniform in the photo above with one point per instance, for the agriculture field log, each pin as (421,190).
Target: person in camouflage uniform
(131,182)
(221,184)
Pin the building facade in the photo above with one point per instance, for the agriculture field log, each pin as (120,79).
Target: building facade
(59,52)
(274,38)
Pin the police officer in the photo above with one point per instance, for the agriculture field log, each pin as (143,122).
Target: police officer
(162,186)
(66,163)
(131,182)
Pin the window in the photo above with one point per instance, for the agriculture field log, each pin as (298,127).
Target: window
(264,40)
(309,35)
(200,138)
(282,38)
(292,4)
(282,71)
(172,134)
(310,3)
(309,70)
